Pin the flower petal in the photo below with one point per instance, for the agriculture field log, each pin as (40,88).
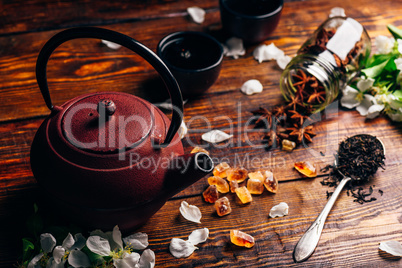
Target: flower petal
(77,258)
(280,210)
(365,84)
(137,241)
(68,242)
(198,236)
(215,136)
(147,259)
(98,245)
(35,260)
(349,97)
(251,87)
(180,248)
(366,103)
(283,61)
(392,247)
(375,110)
(128,260)
(51,263)
(396,116)
(47,242)
(58,253)
(399,45)
(267,52)
(197,14)
(234,47)
(336,12)
(80,241)
(384,44)
(190,212)
(117,237)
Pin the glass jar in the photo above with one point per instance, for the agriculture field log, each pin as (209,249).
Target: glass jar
(326,62)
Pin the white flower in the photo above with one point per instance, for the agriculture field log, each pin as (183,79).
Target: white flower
(399,45)
(366,104)
(352,97)
(384,44)
(47,242)
(395,115)
(111,244)
(70,250)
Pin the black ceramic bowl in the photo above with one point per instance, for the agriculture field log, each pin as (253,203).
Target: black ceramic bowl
(194,58)
(251,20)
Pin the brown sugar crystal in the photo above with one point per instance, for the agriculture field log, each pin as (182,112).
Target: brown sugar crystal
(221,184)
(237,174)
(244,195)
(222,206)
(241,239)
(255,186)
(211,194)
(221,169)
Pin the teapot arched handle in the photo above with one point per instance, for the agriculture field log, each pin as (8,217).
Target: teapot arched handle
(128,42)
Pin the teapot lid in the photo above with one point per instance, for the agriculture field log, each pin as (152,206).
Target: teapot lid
(107,122)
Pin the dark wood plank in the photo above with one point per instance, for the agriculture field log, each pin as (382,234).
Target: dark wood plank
(31,16)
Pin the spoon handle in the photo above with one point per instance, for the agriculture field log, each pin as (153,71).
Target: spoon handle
(308,242)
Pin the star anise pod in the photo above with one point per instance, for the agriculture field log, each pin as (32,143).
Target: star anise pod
(301,133)
(301,79)
(280,113)
(272,139)
(265,116)
(282,133)
(297,117)
(295,103)
(317,97)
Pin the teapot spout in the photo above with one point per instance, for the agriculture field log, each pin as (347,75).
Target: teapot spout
(186,170)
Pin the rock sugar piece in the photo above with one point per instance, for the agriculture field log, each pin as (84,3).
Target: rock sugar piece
(237,174)
(221,169)
(221,184)
(255,186)
(211,194)
(222,206)
(270,182)
(306,168)
(244,195)
(288,145)
(256,175)
(279,210)
(241,239)
(233,186)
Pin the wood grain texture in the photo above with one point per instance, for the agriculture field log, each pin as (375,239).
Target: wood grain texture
(352,232)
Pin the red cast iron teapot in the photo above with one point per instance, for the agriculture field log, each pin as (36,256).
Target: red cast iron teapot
(111,158)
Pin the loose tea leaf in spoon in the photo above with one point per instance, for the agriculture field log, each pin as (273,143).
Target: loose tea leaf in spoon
(359,157)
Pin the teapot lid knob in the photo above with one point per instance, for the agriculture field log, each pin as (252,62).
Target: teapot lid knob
(106,107)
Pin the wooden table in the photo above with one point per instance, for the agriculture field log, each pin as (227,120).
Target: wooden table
(352,232)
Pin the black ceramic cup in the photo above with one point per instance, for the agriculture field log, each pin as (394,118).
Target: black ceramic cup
(194,58)
(251,20)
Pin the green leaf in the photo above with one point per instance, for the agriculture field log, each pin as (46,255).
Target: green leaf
(398,94)
(396,32)
(27,248)
(375,70)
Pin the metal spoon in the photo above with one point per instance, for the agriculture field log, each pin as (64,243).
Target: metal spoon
(308,242)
